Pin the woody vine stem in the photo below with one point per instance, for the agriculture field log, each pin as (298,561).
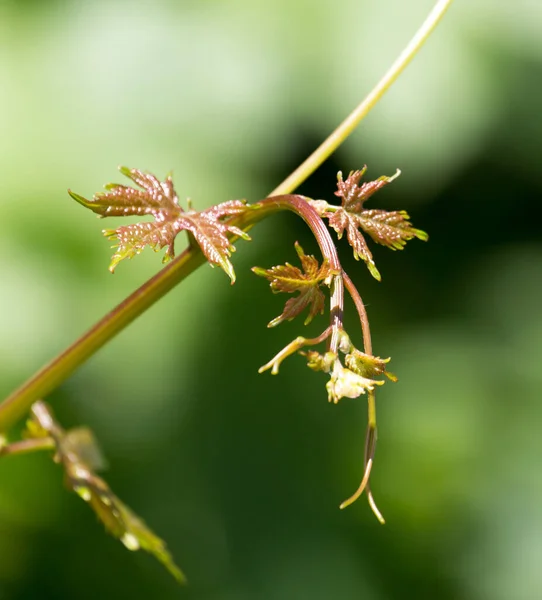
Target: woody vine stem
(211,234)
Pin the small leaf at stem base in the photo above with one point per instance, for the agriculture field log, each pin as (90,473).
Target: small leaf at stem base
(290,279)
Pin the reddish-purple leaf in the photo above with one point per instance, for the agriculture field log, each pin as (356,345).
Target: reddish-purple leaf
(156,198)
(290,279)
(211,233)
(353,195)
(391,229)
(132,239)
(342,220)
(210,228)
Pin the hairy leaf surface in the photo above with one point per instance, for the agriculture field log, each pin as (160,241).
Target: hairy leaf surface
(209,228)
(388,228)
(290,279)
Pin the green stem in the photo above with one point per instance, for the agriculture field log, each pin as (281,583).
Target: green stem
(49,377)
(28,446)
(326,149)
(54,373)
(371,432)
(60,368)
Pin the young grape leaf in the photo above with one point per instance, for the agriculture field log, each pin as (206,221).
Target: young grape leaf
(392,229)
(78,453)
(158,199)
(290,279)
(353,195)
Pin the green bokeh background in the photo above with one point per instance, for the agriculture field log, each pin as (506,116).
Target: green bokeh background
(242,473)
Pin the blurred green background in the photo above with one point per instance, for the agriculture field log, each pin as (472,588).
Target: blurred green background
(242,473)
